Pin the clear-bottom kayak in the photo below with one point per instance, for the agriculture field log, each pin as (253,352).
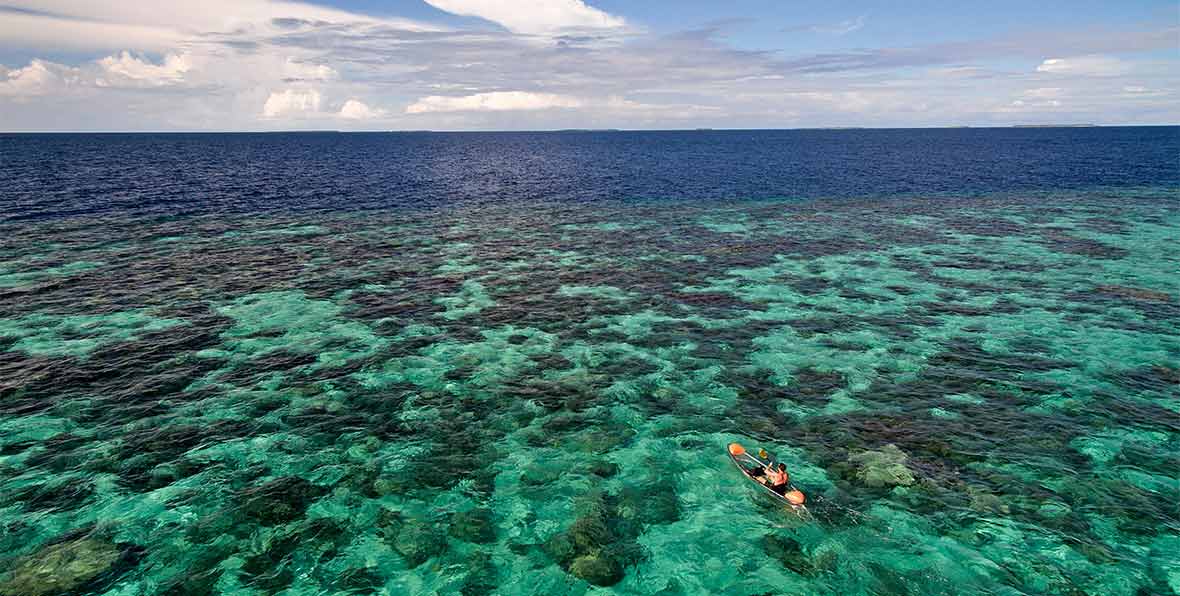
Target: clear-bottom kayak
(753,468)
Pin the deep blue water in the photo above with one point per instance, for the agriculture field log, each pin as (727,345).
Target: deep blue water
(171,174)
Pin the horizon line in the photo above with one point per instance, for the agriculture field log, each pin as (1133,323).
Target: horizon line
(550,130)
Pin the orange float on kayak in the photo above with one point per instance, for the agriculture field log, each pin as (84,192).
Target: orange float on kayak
(795,497)
(736,450)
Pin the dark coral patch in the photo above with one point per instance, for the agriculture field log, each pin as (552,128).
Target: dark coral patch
(278,501)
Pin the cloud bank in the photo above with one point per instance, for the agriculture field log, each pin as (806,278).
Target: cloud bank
(496,101)
(261,65)
(534,18)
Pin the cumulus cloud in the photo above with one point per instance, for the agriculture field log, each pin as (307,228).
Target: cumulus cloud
(356,110)
(534,18)
(42,77)
(291,103)
(495,101)
(1084,66)
(126,66)
(38,78)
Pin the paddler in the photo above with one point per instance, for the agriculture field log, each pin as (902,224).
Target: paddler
(777,477)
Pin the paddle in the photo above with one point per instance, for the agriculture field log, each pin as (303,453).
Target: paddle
(756,460)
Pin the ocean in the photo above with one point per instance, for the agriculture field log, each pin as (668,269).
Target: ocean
(511,363)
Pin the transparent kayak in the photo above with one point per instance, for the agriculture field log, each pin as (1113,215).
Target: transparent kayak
(752,468)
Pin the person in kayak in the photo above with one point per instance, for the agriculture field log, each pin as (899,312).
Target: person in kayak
(776,477)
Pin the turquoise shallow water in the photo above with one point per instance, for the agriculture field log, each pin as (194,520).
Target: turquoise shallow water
(978,396)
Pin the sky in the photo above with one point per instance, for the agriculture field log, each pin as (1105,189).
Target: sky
(256,65)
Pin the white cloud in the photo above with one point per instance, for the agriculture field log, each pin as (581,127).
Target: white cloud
(159,25)
(126,66)
(495,101)
(532,17)
(122,70)
(357,110)
(590,107)
(292,103)
(38,78)
(294,70)
(1084,66)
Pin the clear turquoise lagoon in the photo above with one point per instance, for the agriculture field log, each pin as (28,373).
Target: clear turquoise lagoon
(977,397)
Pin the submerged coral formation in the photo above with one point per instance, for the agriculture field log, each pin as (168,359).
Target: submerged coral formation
(882,467)
(482,401)
(73,564)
